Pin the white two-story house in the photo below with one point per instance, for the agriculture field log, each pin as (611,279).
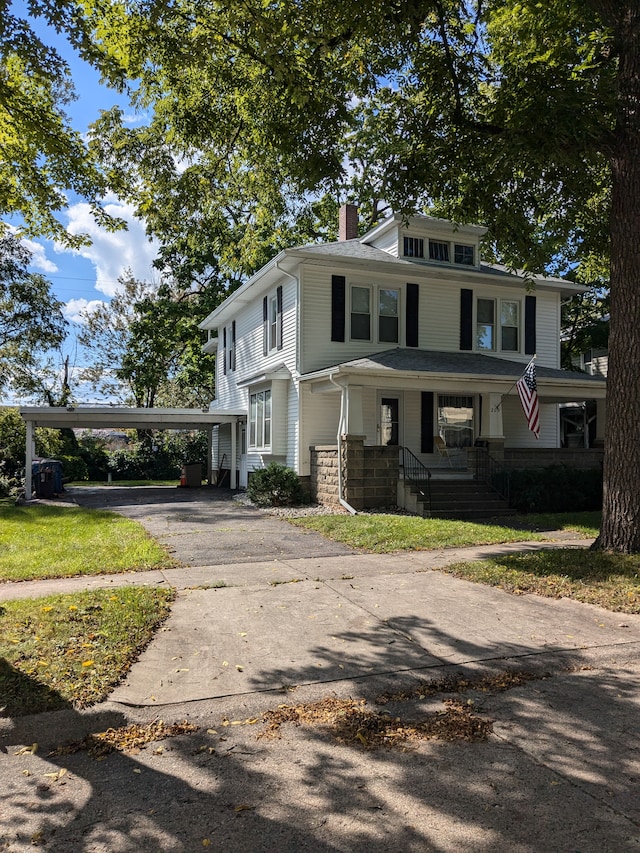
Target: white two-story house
(400,338)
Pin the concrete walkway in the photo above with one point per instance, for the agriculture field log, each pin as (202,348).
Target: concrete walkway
(559,773)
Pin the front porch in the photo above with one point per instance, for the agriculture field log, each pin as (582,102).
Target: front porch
(464,486)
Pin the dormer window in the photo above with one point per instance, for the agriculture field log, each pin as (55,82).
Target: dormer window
(438,251)
(464,255)
(413,247)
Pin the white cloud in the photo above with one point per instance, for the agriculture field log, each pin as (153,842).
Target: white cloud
(74,309)
(39,259)
(112,253)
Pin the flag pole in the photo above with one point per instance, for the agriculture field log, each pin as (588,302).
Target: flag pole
(502,396)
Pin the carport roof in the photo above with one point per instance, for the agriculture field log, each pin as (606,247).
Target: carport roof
(94,417)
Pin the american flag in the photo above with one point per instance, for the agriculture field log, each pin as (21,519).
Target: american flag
(528,392)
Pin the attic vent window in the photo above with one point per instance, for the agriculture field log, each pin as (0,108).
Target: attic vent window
(438,251)
(463,255)
(413,247)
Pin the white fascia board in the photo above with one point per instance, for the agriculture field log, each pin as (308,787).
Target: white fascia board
(432,223)
(246,293)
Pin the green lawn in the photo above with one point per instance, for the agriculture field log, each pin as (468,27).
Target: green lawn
(382,533)
(71,650)
(42,541)
(608,580)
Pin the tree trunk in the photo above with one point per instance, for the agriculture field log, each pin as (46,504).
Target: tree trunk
(620,529)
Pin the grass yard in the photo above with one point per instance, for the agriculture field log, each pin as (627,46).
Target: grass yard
(608,580)
(43,541)
(71,650)
(384,533)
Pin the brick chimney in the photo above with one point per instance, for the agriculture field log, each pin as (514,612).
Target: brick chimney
(348,222)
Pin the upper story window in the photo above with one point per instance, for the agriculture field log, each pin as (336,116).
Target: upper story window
(360,313)
(272,322)
(413,247)
(510,326)
(438,251)
(388,315)
(487,337)
(463,254)
(387,321)
(486,324)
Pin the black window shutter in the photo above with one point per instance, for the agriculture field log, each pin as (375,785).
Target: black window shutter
(413,291)
(265,329)
(224,350)
(530,325)
(426,422)
(279,314)
(466,319)
(338,315)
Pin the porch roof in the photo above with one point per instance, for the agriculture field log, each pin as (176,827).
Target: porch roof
(484,371)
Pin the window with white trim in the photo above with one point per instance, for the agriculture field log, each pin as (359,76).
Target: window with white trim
(413,247)
(388,315)
(260,419)
(438,250)
(360,313)
(385,301)
(273,322)
(509,326)
(463,254)
(486,324)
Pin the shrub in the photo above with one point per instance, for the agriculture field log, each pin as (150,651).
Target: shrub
(275,485)
(74,468)
(556,488)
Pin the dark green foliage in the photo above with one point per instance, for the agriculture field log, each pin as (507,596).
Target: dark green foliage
(556,489)
(74,468)
(275,485)
(158,456)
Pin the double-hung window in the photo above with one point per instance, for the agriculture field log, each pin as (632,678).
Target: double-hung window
(388,310)
(360,313)
(510,326)
(385,301)
(487,335)
(260,418)
(273,322)
(486,324)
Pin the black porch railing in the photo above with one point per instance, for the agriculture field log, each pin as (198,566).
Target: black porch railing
(492,472)
(417,474)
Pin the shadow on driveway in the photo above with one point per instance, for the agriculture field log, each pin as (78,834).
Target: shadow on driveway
(206,527)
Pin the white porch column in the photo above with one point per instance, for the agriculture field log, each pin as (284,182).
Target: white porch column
(491,428)
(28,456)
(354,423)
(233,479)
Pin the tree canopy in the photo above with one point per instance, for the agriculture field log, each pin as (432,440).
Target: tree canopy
(518,114)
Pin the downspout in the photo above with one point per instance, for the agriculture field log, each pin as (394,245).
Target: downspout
(341,423)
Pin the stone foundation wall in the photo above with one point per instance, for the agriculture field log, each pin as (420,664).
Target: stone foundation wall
(370,474)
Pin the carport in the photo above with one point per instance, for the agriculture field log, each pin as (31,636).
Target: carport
(103,417)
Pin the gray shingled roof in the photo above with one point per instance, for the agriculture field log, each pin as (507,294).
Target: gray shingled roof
(473,364)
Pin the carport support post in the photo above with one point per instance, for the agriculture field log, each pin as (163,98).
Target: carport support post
(210,455)
(233,479)
(28,462)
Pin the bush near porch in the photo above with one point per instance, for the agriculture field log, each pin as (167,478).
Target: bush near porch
(556,488)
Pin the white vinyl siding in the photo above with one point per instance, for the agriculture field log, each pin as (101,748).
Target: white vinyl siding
(517,432)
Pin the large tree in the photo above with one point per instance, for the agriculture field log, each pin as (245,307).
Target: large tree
(31,319)
(516,113)
(42,157)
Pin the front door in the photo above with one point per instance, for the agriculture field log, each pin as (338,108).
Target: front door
(389,426)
